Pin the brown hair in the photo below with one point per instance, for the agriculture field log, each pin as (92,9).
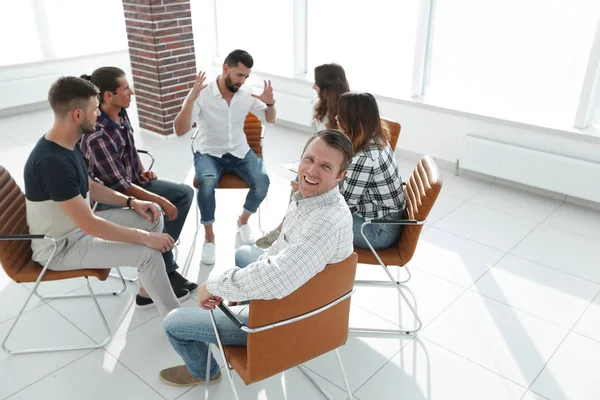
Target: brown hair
(332,83)
(106,78)
(69,92)
(358,118)
(338,140)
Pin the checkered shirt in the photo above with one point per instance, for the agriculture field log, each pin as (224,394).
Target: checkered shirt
(373,187)
(316,231)
(110,152)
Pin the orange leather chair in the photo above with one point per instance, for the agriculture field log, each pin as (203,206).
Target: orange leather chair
(394,128)
(255,132)
(15,257)
(420,192)
(285,333)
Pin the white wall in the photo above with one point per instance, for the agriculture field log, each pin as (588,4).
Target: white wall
(24,87)
(436,131)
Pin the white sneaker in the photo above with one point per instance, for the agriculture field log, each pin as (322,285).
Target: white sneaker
(208,253)
(246,235)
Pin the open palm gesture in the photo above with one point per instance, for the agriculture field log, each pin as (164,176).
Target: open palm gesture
(267,95)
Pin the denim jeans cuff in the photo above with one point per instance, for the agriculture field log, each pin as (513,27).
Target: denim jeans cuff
(207,222)
(248,211)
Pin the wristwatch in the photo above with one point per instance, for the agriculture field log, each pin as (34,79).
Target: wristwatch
(271,105)
(129,200)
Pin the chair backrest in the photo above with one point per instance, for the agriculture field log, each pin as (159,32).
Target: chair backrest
(276,350)
(14,254)
(421,192)
(254,131)
(394,128)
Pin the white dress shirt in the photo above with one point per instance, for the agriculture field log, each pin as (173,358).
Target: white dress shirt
(221,126)
(316,231)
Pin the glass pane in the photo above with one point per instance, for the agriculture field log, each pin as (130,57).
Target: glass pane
(18,30)
(81,27)
(522,60)
(374,41)
(264,28)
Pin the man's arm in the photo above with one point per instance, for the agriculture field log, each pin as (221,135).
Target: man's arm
(79,211)
(275,277)
(271,115)
(262,101)
(183,120)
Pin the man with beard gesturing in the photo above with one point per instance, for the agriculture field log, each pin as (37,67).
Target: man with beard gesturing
(219,108)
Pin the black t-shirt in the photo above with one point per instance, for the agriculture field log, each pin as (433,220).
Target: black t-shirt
(53,172)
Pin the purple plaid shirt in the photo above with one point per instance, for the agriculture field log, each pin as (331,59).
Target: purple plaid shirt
(110,152)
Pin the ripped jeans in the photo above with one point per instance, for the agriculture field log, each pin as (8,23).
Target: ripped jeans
(209,170)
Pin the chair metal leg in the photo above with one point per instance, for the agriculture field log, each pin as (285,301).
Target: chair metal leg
(119,275)
(207,378)
(64,348)
(343,371)
(398,287)
(73,295)
(227,368)
(304,370)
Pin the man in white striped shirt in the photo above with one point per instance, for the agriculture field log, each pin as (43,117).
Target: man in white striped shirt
(317,230)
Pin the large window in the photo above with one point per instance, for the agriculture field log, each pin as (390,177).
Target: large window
(264,28)
(374,41)
(34,30)
(523,60)
(18,30)
(81,27)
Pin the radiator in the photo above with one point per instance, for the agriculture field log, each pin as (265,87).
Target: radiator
(555,172)
(21,92)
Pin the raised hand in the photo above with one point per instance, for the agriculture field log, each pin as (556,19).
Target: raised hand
(198,85)
(267,95)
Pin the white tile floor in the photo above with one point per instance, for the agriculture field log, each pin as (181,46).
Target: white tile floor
(507,284)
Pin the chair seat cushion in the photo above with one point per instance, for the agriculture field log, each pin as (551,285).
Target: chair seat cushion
(31,271)
(390,256)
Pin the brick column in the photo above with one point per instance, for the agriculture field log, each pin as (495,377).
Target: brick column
(161,49)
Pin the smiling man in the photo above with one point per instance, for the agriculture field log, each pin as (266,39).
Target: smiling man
(317,231)
(112,157)
(219,108)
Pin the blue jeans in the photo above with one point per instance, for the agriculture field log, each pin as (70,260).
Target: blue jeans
(181,195)
(209,170)
(190,330)
(380,236)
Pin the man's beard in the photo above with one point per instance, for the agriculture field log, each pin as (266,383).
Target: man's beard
(88,128)
(229,84)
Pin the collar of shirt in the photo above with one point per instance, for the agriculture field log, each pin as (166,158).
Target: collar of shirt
(105,122)
(321,200)
(221,125)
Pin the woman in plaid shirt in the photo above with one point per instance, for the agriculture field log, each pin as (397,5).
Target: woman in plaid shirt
(373,187)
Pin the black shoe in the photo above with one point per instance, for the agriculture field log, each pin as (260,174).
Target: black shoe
(179,282)
(146,302)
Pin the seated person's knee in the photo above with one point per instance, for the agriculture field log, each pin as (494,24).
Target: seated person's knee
(207,183)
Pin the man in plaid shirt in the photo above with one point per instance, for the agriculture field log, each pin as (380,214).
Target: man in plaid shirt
(111,156)
(317,231)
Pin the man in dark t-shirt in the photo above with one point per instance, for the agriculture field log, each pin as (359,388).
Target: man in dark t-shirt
(58,193)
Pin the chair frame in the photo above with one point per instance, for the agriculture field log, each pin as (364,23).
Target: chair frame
(240,325)
(394,282)
(398,284)
(39,279)
(262,137)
